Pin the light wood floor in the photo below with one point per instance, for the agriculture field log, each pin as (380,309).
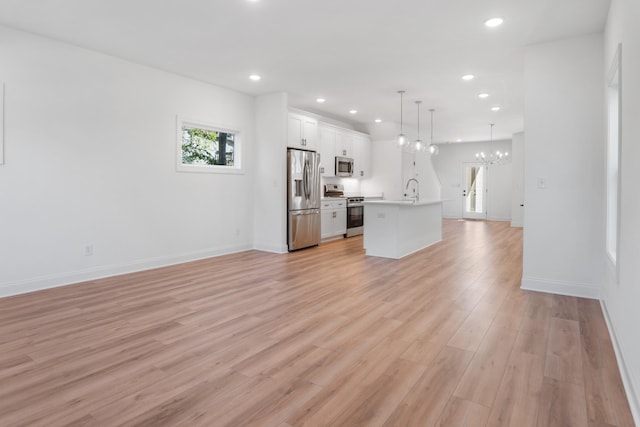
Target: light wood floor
(319,337)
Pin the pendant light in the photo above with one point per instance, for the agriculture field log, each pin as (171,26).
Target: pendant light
(402,139)
(433,149)
(495,157)
(418,146)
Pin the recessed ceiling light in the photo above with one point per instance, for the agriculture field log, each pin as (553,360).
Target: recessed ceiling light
(320,100)
(468,77)
(378,120)
(496,108)
(458,140)
(483,95)
(493,22)
(353,111)
(255,77)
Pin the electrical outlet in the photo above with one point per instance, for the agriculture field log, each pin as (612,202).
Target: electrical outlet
(88,250)
(381,215)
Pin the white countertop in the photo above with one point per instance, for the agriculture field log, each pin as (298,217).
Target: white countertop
(403,202)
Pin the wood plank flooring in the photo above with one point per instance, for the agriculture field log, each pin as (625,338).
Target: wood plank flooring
(319,337)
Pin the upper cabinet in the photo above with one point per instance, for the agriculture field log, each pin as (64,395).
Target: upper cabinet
(303,132)
(327,150)
(335,141)
(344,143)
(361,156)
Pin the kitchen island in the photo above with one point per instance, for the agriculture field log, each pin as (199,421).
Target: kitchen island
(397,228)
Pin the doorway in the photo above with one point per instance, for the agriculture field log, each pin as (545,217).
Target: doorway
(474,191)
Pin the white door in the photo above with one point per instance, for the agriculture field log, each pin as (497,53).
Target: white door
(474,191)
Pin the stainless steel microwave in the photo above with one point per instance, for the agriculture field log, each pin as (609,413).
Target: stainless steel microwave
(344,166)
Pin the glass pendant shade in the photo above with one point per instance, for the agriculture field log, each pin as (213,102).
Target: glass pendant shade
(433,149)
(402,139)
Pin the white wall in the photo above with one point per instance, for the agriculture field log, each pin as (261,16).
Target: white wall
(270,215)
(564,222)
(420,166)
(449,166)
(90,144)
(391,167)
(517,184)
(621,298)
(386,170)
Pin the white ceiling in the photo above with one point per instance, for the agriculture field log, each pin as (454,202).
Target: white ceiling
(355,53)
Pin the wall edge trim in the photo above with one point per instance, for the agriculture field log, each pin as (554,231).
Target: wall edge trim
(631,389)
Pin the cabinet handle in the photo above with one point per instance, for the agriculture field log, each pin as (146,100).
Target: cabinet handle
(361,173)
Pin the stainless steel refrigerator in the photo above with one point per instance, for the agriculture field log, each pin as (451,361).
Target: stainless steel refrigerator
(303,200)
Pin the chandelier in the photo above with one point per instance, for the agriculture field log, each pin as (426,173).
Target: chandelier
(494,157)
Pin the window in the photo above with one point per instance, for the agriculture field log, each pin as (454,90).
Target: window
(613,157)
(207,148)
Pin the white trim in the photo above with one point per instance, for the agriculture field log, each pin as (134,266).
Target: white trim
(237,168)
(276,249)
(54,281)
(561,287)
(1,123)
(632,389)
(498,218)
(614,79)
(517,224)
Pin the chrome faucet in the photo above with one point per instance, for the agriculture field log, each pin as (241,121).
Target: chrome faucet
(417,197)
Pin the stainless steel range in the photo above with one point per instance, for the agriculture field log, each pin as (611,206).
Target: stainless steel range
(355,216)
(355,208)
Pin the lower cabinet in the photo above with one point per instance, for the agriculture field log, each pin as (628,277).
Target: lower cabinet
(333,218)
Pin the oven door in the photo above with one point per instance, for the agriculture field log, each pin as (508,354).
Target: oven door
(355,220)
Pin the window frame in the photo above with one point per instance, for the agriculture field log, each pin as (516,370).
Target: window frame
(237,167)
(614,160)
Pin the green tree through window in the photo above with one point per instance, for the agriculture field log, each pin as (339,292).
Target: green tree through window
(207,147)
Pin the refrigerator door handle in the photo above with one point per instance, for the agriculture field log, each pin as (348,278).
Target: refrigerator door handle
(307,193)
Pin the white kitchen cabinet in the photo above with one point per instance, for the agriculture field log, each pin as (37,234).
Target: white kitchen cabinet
(344,143)
(333,218)
(361,157)
(327,149)
(302,132)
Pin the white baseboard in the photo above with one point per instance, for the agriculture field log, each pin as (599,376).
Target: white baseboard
(54,281)
(631,388)
(560,287)
(517,224)
(277,249)
(498,218)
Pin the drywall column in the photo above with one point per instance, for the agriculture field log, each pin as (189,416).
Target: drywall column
(270,186)
(621,296)
(564,188)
